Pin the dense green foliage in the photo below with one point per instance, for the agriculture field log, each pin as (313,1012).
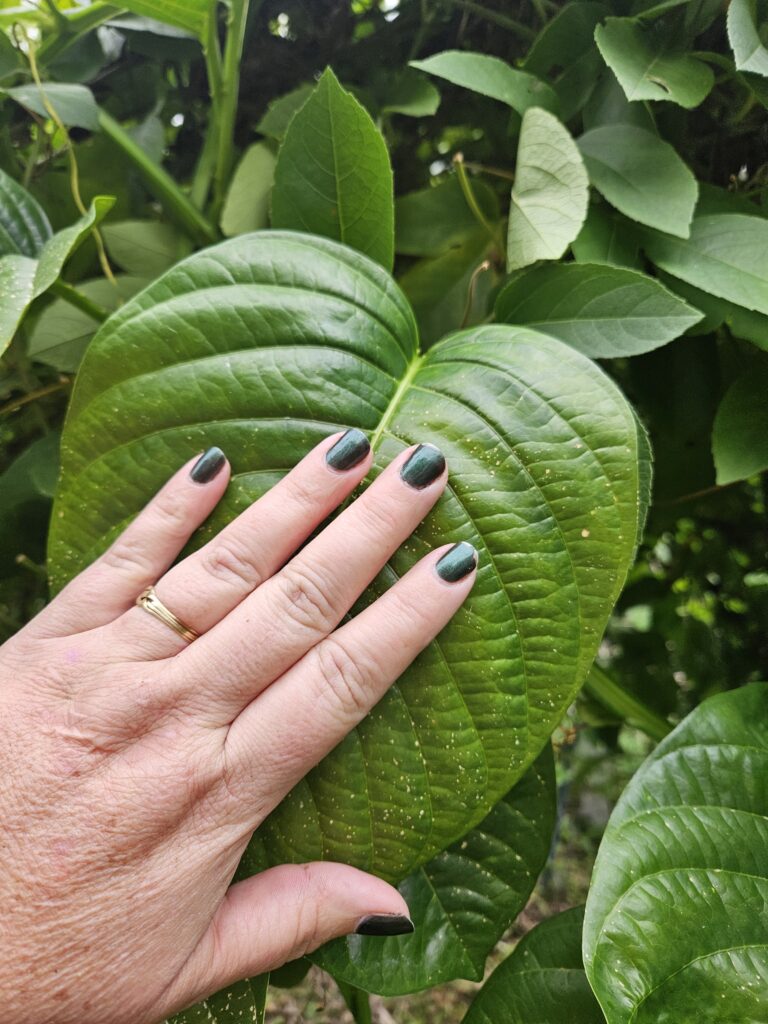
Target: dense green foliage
(474,205)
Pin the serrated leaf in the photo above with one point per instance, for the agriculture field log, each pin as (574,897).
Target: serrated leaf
(602,311)
(24,226)
(462,901)
(492,77)
(246,207)
(144,248)
(333,176)
(542,981)
(647,69)
(740,433)
(641,175)
(726,254)
(748,49)
(550,194)
(433,220)
(674,928)
(607,237)
(74,104)
(280,338)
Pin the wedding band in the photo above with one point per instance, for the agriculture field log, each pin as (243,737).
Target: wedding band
(150,602)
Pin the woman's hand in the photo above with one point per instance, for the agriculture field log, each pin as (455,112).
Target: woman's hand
(136,764)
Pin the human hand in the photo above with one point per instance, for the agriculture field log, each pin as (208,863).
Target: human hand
(136,765)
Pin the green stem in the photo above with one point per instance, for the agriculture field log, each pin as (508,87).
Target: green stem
(358,1001)
(227,99)
(176,202)
(616,699)
(524,31)
(79,301)
(206,162)
(468,192)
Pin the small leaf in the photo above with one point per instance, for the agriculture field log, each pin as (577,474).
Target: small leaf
(748,49)
(24,226)
(492,77)
(641,175)
(646,69)
(550,194)
(280,112)
(740,434)
(726,254)
(246,207)
(542,981)
(609,238)
(435,219)
(144,248)
(74,104)
(412,94)
(333,176)
(674,928)
(602,311)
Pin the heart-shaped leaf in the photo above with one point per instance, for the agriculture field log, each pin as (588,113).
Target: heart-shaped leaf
(675,927)
(462,901)
(269,342)
(542,981)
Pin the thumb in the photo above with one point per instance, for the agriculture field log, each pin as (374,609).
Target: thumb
(281,914)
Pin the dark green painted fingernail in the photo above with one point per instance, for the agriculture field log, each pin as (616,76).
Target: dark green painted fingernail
(385,924)
(425,464)
(349,450)
(457,562)
(209,465)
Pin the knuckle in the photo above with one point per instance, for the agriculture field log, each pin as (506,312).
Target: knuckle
(126,558)
(304,492)
(228,561)
(341,679)
(309,603)
(171,517)
(384,516)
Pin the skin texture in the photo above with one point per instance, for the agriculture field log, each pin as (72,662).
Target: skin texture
(134,767)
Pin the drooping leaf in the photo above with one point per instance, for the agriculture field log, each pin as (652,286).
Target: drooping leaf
(646,69)
(333,176)
(462,901)
(192,15)
(542,981)
(748,48)
(246,207)
(740,434)
(433,220)
(492,77)
(550,194)
(412,94)
(280,111)
(243,1003)
(726,254)
(674,927)
(278,339)
(24,226)
(144,248)
(74,104)
(641,175)
(607,237)
(602,311)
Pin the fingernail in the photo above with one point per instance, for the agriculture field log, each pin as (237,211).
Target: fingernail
(457,562)
(209,465)
(425,464)
(349,450)
(384,924)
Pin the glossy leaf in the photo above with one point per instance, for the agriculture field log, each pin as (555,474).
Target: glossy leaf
(542,981)
(550,194)
(492,77)
(191,15)
(144,248)
(244,1001)
(74,104)
(607,237)
(642,176)
(246,207)
(433,220)
(333,176)
(748,48)
(646,69)
(462,901)
(24,226)
(674,928)
(726,254)
(279,339)
(602,311)
(740,434)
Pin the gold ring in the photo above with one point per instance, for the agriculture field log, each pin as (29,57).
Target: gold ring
(150,602)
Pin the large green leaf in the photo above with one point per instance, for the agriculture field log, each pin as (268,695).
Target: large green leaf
(675,928)
(740,433)
(550,194)
(74,104)
(748,48)
(602,311)
(24,226)
(646,68)
(542,982)
(192,15)
(492,77)
(641,175)
(726,254)
(269,342)
(462,901)
(333,176)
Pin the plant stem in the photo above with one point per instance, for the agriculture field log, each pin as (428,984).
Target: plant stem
(497,172)
(82,302)
(616,699)
(227,99)
(524,31)
(160,183)
(358,1001)
(472,203)
(32,396)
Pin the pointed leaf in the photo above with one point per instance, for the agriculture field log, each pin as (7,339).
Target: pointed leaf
(740,433)
(279,339)
(674,928)
(492,77)
(551,192)
(74,104)
(748,48)
(647,69)
(642,176)
(24,226)
(602,311)
(333,176)
(462,901)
